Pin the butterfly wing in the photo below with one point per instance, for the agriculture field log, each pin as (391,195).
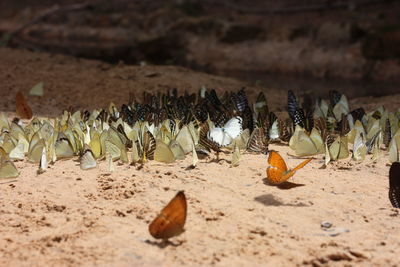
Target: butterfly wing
(301,165)
(87,160)
(7,167)
(292,103)
(258,142)
(163,153)
(63,147)
(359,147)
(35,151)
(219,136)
(37,90)
(177,149)
(341,107)
(286,175)
(204,140)
(234,127)
(394,149)
(43,162)
(171,220)
(273,131)
(235,156)
(17,152)
(394,184)
(334,149)
(277,168)
(276,161)
(317,139)
(185,139)
(305,145)
(23,110)
(149,145)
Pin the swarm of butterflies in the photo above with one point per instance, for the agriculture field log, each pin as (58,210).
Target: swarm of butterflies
(167,127)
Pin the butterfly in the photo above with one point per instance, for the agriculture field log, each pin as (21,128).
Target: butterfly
(359,147)
(148,145)
(278,172)
(334,97)
(204,143)
(43,162)
(23,110)
(394,184)
(235,156)
(394,148)
(87,160)
(306,145)
(37,90)
(258,142)
(185,140)
(7,167)
(387,133)
(17,152)
(292,104)
(321,109)
(163,153)
(171,220)
(225,135)
(340,107)
(63,147)
(336,147)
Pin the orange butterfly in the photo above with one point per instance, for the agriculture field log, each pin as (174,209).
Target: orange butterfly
(170,221)
(278,172)
(23,110)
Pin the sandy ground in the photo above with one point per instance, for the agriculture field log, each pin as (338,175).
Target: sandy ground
(67,216)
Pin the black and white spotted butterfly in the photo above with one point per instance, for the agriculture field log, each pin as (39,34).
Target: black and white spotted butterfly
(292,104)
(394,184)
(224,136)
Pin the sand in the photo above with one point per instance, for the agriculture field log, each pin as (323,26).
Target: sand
(67,216)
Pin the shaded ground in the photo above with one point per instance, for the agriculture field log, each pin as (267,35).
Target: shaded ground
(70,217)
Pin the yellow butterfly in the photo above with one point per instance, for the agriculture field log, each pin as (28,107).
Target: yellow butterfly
(338,149)
(163,153)
(63,147)
(177,150)
(394,147)
(342,107)
(37,90)
(306,145)
(359,147)
(7,167)
(185,140)
(235,156)
(87,160)
(35,150)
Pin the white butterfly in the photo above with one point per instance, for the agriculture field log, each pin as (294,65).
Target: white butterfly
(225,135)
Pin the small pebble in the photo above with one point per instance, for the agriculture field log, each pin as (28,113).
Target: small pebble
(326,224)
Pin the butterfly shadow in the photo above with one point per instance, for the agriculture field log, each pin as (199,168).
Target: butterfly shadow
(283,186)
(164,243)
(8,181)
(270,200)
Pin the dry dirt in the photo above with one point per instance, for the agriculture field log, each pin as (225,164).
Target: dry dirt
(67,216)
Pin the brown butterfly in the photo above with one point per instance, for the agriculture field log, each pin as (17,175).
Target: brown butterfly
(258,141)
(23,110)
(278,172)
(394,184)
(204,141)
(170,221)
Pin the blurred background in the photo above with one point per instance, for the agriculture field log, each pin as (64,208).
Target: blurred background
(308,44)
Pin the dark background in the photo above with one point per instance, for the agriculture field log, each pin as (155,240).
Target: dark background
(286,44)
